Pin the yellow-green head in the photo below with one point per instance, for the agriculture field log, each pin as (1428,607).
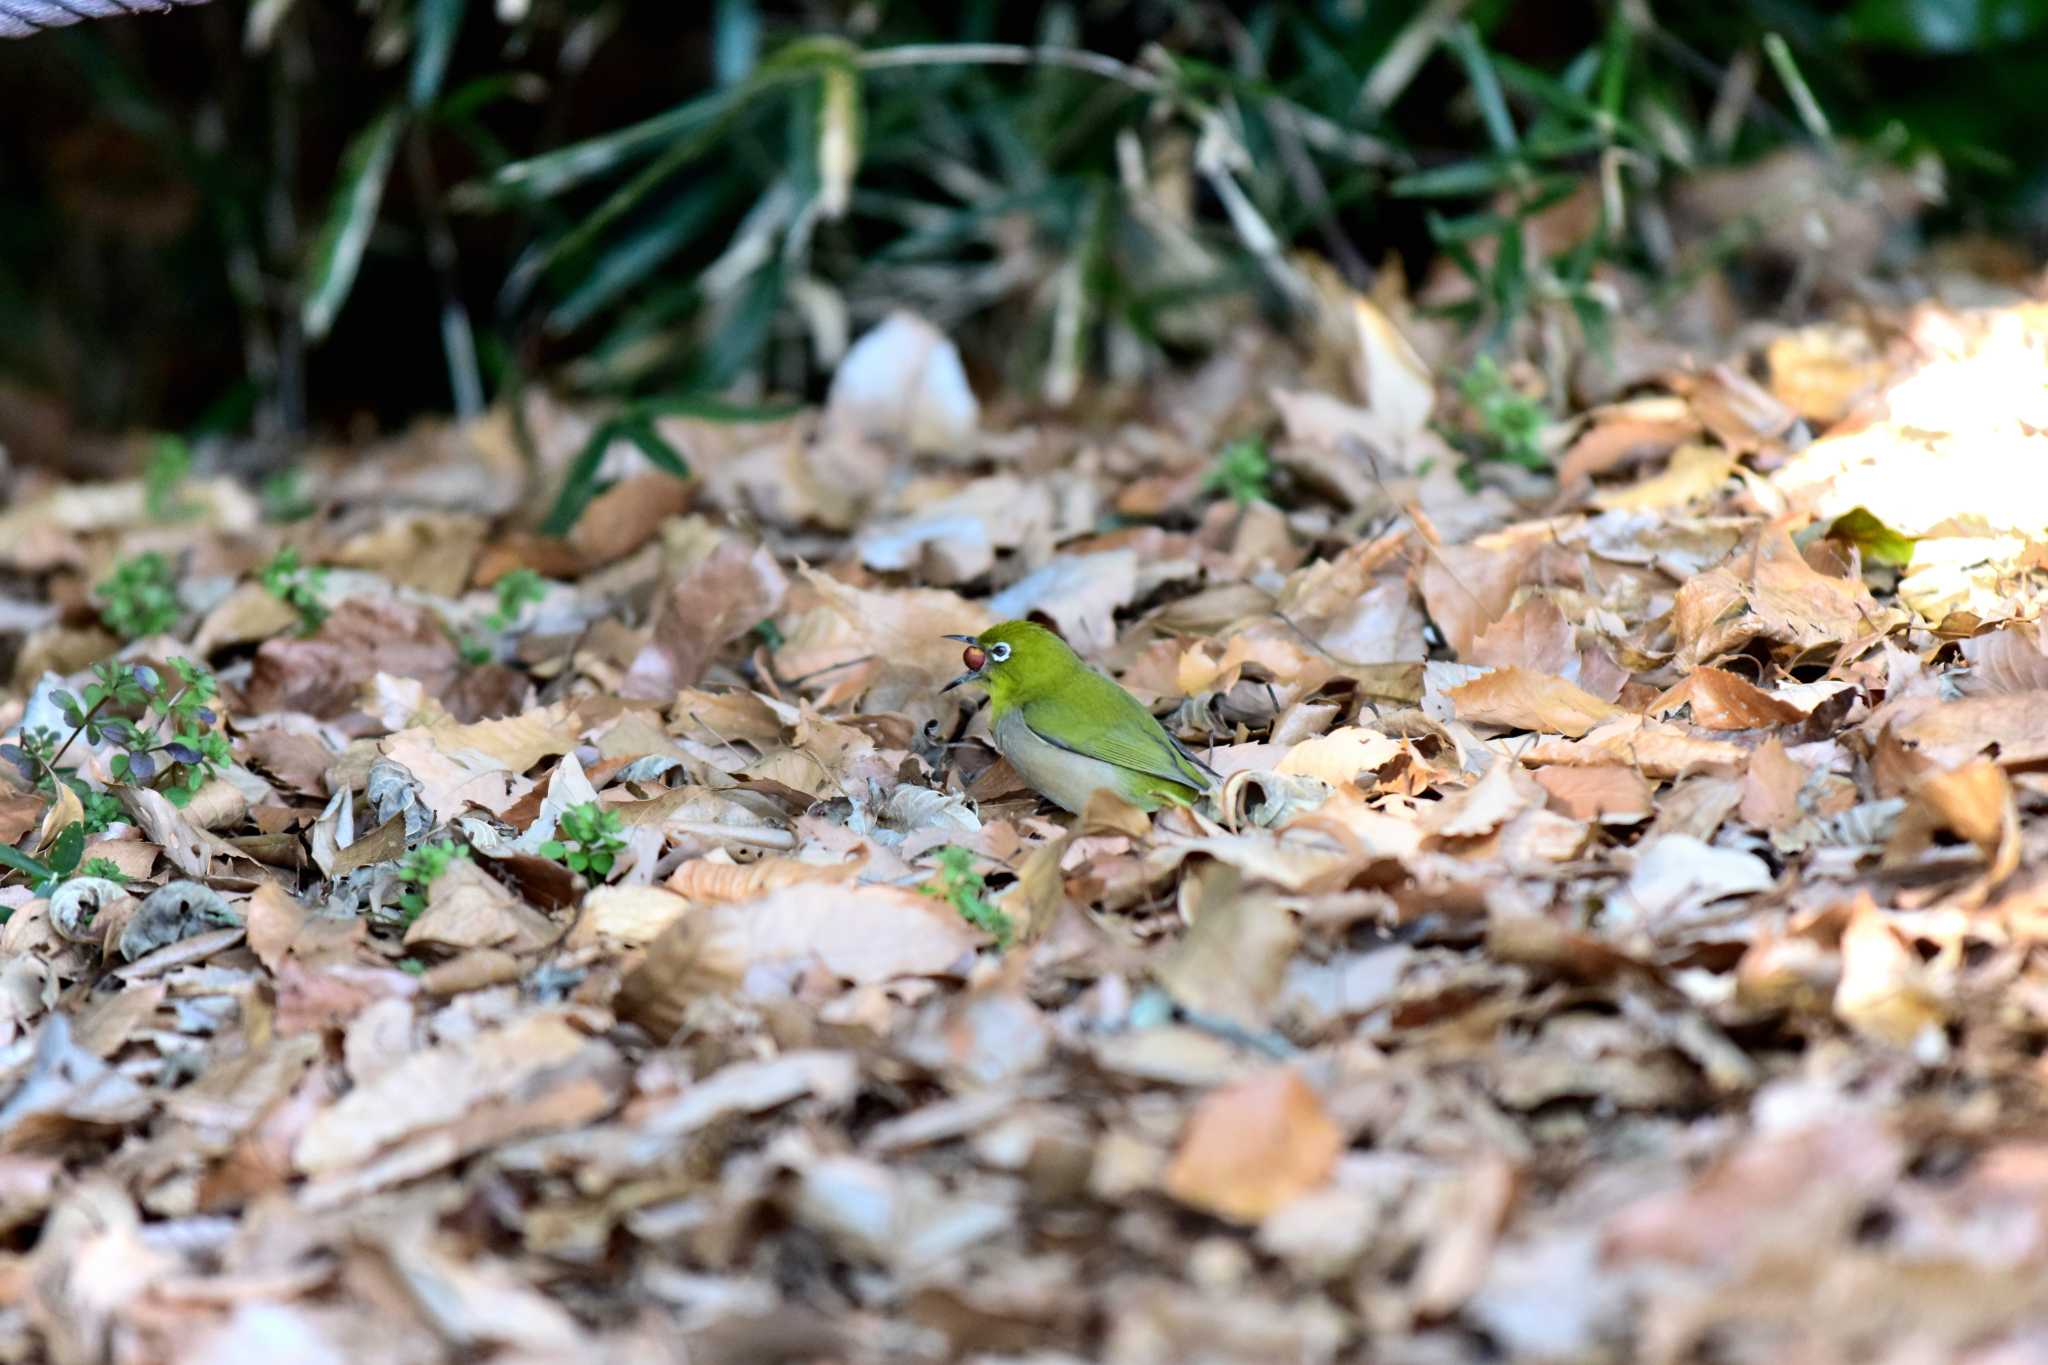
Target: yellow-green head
(1069,730)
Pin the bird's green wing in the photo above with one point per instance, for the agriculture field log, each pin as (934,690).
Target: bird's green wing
(1093,716)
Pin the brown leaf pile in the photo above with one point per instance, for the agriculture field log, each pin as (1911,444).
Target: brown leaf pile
(1618,936)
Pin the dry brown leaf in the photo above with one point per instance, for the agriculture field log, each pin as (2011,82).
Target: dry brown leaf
(324,675)
(437,1087)
(481,764)
(1534,636)
(1771,787)
(1767,591)
(1976,802)
(1696,471)
(722,587)
(848,638)
(1232,961)
(630,915)
(1719,700)
(468,908)
(1502,792)
(1342,757)
(1823,371)
(718,878)
(862,934)
(1638,429)
(1884,992)
(1393,379)
(1254,1146)
(2013,728)
(1469,587)
(1521,700)
(1654,748)
(1609,795)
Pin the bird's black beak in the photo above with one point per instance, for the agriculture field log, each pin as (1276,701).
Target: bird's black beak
(973,658)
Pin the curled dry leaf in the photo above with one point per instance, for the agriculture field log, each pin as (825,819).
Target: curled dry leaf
(83,908)
(170,914)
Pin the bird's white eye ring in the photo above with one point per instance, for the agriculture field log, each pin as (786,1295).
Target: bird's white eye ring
(999,652)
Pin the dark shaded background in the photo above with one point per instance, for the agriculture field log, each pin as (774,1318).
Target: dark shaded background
(160,183)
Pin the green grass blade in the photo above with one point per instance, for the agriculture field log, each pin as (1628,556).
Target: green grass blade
(1493,105)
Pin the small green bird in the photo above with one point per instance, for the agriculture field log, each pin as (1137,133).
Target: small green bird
(1069,730)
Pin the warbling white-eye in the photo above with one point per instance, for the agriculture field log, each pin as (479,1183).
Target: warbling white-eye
(1071,731)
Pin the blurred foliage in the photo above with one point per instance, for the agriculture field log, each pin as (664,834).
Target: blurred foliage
(252,218)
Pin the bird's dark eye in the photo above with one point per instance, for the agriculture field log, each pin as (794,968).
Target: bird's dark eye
(999,652)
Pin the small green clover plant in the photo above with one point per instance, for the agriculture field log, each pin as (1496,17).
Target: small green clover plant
(588,840)
(106,869)
(298,586)
(1512,421)
(140,597)
(417,870)
(517,591)
(163,481)
(1243,471)
(959,885)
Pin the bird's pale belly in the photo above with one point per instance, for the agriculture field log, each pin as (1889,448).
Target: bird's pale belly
(1062,775)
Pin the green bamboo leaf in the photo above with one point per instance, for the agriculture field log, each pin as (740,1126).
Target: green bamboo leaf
(338,253)
(735,40)
(21,862)
(433,40)
(551,173)
(627,263)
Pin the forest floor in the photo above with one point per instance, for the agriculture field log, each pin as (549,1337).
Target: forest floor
(1615,937)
